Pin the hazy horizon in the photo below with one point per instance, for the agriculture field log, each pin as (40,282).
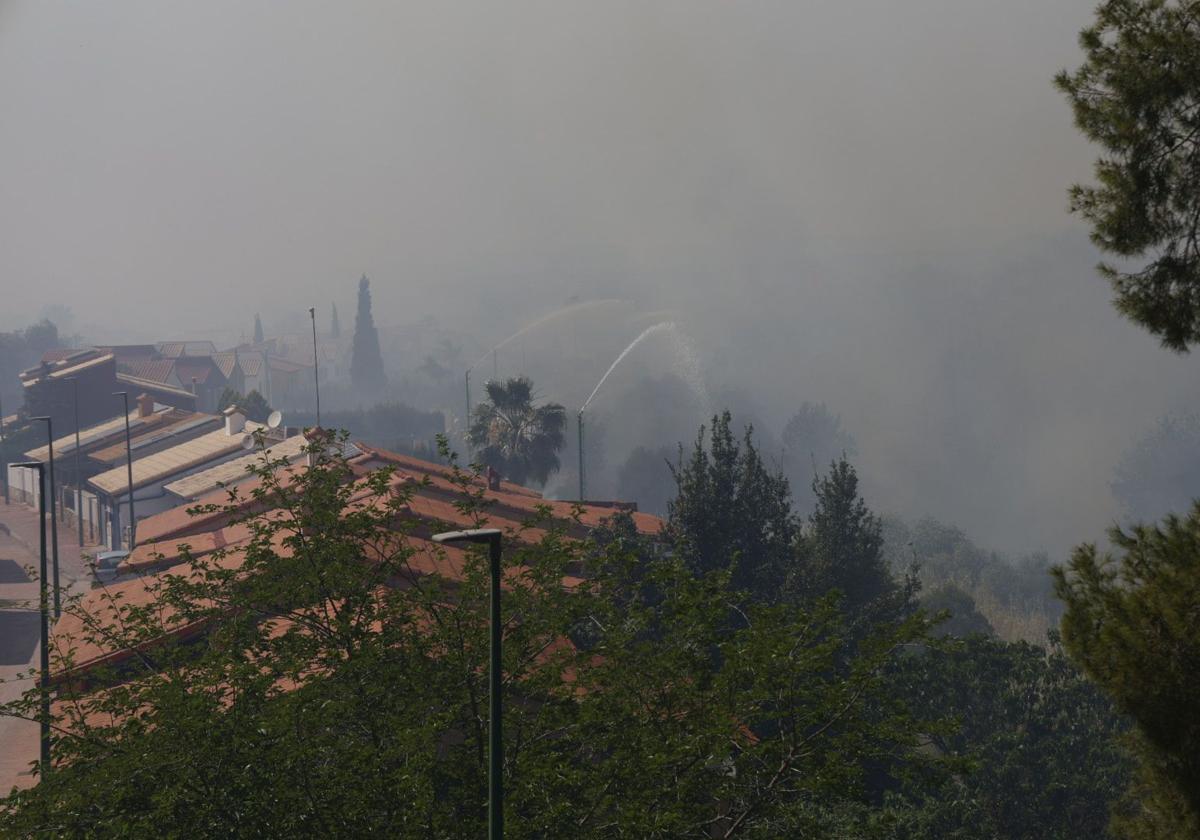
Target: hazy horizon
(856,204)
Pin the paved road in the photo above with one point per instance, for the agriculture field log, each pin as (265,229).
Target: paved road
(19,650)
(20,633)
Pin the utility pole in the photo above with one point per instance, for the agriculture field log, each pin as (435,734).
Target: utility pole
(581,475)
(492,537)
(53,516)
(124,395)
(44,600)
(466,422)
(78,473)
(4,449)
(312,313)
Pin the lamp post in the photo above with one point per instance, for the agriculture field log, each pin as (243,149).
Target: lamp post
(78,474)
(466,422)
(124,395)
(492,537)
(312,313)
(53,517)
(581,477)
(45,609)
(4,449)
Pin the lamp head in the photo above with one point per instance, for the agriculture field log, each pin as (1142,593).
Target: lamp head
(476,535)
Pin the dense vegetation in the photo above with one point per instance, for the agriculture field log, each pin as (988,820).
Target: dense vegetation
(776,681)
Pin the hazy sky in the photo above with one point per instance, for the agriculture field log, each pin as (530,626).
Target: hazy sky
(861,203)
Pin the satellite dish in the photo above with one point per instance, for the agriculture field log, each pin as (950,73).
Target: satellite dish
(247,442)
(274,419)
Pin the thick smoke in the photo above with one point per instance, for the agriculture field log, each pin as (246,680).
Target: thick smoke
(860,204)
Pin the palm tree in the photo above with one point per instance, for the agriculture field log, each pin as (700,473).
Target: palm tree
(513,436)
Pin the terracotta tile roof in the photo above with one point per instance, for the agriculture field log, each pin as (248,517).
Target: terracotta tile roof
(154,370)
(177,349)
(250,364)
(173,461)
(232,472)
(200,368)
(175,423)
(89,439)
(136,382)
(57,354)
(225,362)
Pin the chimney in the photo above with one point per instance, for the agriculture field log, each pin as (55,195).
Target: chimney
(235,421)
(145,405)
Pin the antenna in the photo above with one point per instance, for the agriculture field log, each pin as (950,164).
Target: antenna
(275,419)
(247,442)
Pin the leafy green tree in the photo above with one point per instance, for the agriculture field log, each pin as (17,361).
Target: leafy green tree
(842,547)
(963,617)
(1131,622)
(366,361)
(517,438)
(1137,95)
(228,397)
(731,512)
(325,700)
(1038,745)
(254,405)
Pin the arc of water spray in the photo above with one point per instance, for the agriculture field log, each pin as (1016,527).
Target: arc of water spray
(646,333)
(662,325)
(569,309)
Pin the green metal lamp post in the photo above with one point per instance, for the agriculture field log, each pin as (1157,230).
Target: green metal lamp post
(492,537)
(124,395)
(53,515)
(45,609)
(78,475)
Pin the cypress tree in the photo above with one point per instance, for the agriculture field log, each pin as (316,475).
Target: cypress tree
(366,362)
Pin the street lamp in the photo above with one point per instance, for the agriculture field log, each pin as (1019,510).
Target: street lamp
(78,475)
(53,517)
(124,395)
(45,608)
(4,449)
(491,536)
(467,421)
(312,313)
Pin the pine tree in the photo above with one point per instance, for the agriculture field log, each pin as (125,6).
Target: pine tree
(842,547)
(732,512)
(366,362)
(258,330)
(1131,624)
(335,328)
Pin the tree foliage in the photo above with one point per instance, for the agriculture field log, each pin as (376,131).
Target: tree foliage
(337,692)
(731,512)
(813,437)
(1131,622)
(366,360)
(1137,95)
(514,436)
(1039,744)
(254,405)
